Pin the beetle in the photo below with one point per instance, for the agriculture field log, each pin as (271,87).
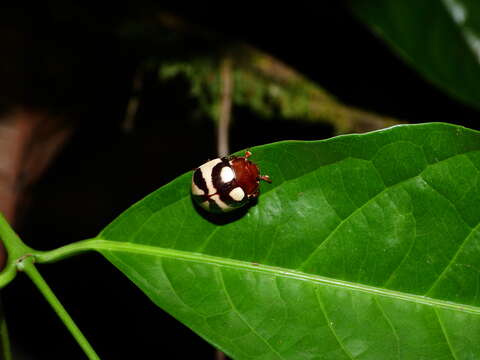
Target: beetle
(227,183)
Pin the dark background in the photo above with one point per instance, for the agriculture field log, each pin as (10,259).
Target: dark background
(70,59)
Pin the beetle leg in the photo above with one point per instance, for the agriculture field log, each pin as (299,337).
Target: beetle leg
(265,178)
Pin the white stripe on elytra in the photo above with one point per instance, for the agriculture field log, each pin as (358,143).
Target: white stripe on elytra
(196,190)
(206,170)
(220,203)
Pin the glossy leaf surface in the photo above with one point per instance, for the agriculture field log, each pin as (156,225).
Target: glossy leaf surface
(440,38)
(364,246)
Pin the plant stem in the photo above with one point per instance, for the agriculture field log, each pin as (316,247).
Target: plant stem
(67,250)
(12,242)
(21,258)
(15,249)
(5,351)
(28,267)
(7,275)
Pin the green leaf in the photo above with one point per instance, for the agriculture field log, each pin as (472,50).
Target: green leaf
(364,246)
(440,38)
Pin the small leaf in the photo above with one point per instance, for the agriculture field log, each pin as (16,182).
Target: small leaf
(440,38)
(364,246)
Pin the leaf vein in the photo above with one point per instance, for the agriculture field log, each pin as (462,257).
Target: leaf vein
(203,246)
(444,332)
(329,324)
(389,322)
(405,257)
(234,308)
(447,199)
(361,207)
(109,246)
(453,259)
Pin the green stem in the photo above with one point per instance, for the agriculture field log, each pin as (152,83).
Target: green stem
(15,249)
(5,350)
(7,275)
(28,267)
(67,250)
(21,258)
(12,242)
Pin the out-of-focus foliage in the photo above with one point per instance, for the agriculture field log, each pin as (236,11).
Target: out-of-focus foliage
(440,38)
(269,88)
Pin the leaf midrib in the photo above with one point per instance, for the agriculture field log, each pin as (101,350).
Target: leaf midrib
(103,245)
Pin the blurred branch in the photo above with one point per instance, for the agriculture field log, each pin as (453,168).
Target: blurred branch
(261,82)
(296,97)
(225,111)
(134,101)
